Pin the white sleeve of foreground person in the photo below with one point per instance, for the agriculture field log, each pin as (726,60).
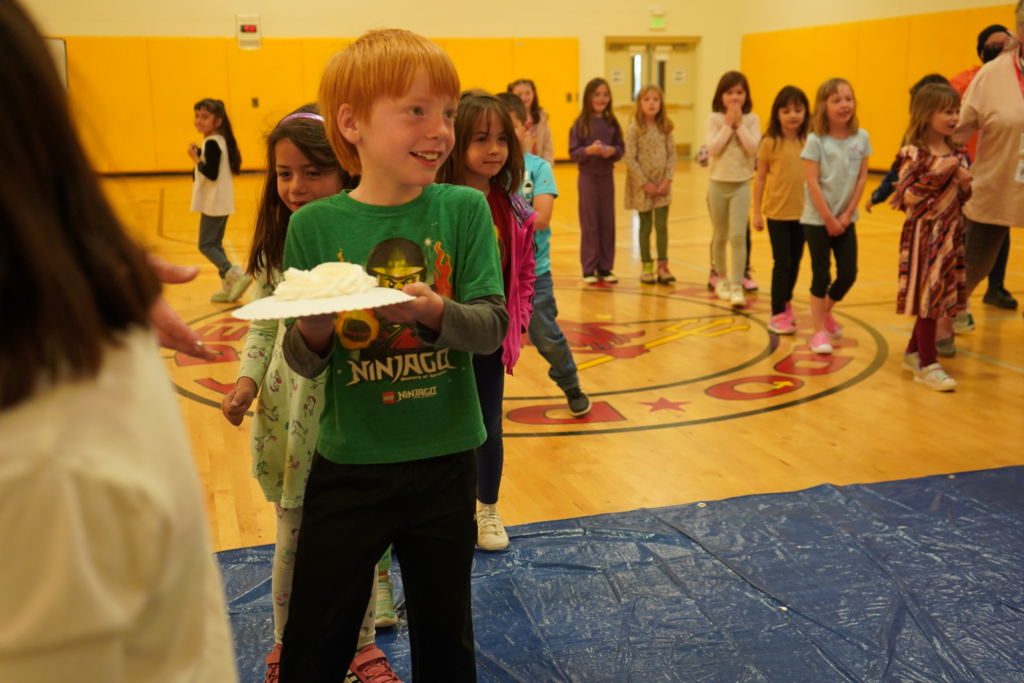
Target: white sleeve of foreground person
(109,575)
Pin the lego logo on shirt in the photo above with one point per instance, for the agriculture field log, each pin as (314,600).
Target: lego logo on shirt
(391,397)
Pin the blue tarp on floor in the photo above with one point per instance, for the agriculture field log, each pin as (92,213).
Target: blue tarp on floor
(910,581)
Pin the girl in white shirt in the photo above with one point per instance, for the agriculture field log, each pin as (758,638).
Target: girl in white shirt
(213,194)
(733,135)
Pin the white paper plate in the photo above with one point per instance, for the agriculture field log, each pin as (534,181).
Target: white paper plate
(270,308)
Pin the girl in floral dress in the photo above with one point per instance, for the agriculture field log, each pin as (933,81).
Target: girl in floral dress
(651,163)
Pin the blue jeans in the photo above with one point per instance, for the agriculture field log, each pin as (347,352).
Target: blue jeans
(548,338)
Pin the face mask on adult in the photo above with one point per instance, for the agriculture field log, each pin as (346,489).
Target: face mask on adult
(990,52)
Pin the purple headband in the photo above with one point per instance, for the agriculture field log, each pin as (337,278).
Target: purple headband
(303,115)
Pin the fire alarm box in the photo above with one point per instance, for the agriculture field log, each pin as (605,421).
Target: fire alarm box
(248,31)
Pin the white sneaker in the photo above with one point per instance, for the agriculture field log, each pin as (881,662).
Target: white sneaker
(490,534)
(737,300)
(935,378)
(723,290)
(964,322)
(912,362)
(224,295)
(236,281)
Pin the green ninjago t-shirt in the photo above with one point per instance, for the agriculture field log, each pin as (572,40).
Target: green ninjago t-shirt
(389,397)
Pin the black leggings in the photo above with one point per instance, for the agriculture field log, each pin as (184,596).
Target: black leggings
(787,239)
(490,455)
(844,246)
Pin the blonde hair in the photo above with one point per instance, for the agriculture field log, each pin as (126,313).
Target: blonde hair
(663,122)
(819,119)
(381,63)
(928,100)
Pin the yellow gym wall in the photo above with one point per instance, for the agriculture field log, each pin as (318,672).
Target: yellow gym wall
(882,60)
(138,123)
(133,97)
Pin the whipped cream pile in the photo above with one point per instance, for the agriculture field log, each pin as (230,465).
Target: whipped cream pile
(325,280)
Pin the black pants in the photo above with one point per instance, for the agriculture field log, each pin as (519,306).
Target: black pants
(787,239)
(982,243)
(490,456)
(819,244)
(997,277)
(351,514)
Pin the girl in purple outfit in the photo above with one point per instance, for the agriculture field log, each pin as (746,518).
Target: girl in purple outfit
(595,143)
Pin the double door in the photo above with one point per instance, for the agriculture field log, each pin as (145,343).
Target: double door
(670,63)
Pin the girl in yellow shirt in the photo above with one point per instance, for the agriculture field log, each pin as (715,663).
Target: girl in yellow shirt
(781,170)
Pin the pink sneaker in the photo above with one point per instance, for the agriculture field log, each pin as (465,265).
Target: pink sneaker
(789,312)
(781,323)
(712,280)
(748,282)
(370,666)
(820,344)
(834,329)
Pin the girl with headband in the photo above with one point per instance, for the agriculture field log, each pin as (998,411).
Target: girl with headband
(301,168)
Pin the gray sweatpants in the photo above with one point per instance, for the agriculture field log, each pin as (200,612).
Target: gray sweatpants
(730,210)
(211,241)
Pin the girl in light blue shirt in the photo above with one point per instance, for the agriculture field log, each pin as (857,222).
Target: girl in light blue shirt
(836,165)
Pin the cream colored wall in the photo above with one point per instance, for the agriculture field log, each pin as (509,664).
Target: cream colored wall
(720,24)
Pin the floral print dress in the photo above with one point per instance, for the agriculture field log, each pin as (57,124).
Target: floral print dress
(650,156)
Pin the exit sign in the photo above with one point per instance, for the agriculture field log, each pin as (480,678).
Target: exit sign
(249,28)
(657,22)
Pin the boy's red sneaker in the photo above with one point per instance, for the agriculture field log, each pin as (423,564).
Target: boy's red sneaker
(370,666)
(273,662)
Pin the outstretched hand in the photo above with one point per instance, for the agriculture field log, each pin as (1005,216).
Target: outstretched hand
(170,329)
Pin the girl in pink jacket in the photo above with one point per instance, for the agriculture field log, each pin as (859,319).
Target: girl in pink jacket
(486,156)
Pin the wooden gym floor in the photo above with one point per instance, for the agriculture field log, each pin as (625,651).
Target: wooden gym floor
(693,401)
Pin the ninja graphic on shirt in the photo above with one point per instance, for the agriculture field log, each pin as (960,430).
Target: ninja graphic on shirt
(395,263)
